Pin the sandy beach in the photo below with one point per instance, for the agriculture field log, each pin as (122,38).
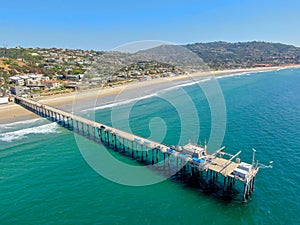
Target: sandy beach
(13,112)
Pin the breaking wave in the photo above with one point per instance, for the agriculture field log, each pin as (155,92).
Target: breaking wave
(25,122)
(20,134)
(125,102)
(110,105)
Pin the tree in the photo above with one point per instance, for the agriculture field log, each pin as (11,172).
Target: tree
(4,83)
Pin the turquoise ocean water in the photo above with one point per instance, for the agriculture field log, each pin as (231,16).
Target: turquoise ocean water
(45,180)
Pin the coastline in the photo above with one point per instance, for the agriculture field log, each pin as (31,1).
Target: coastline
(99,93)
(13,113)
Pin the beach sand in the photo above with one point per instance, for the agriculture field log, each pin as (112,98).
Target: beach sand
(11,113)
(87,99)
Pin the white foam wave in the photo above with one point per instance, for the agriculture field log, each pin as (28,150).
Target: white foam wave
(190,83)
(110,105)
(25,122)
(184,85)
(20,134)
(248,73)
(119,103)
(235,75)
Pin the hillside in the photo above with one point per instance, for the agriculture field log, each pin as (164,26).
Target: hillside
(28,67)
(220,55)
(213,55)
(12,65)
(179,56)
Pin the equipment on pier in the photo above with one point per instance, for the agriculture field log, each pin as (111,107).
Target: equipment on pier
(195,151)
(191,158)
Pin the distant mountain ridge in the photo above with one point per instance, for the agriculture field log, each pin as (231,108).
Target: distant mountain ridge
(190,57)
(221,55)
(177,55)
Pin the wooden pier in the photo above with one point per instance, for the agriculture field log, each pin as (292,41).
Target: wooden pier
(189,158)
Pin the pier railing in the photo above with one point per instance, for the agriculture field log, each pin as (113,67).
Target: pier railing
(211,166)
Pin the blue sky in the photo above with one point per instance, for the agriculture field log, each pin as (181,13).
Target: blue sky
(104,25)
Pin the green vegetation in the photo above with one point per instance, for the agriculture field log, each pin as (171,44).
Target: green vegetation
(4,84)
(76,71)
(160,60)
(222,55)
(145,68)
(44,61)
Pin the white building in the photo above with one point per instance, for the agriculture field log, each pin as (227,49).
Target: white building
(52,84)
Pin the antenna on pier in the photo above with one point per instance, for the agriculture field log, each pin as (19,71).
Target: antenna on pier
(253,156)
(262,166)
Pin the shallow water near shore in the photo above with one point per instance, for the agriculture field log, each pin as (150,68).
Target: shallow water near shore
(45,180)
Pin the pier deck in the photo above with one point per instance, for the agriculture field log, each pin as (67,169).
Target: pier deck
(212,163)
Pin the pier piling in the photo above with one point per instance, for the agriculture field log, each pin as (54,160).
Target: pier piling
(183,163)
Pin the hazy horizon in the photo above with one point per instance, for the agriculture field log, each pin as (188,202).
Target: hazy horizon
(128,44)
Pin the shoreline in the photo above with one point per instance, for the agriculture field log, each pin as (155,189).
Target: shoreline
(13,113)
(56,100)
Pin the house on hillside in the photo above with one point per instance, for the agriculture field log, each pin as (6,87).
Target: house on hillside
(16,80)
(20,91)
(45,78)
(73,85)
(52,84)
